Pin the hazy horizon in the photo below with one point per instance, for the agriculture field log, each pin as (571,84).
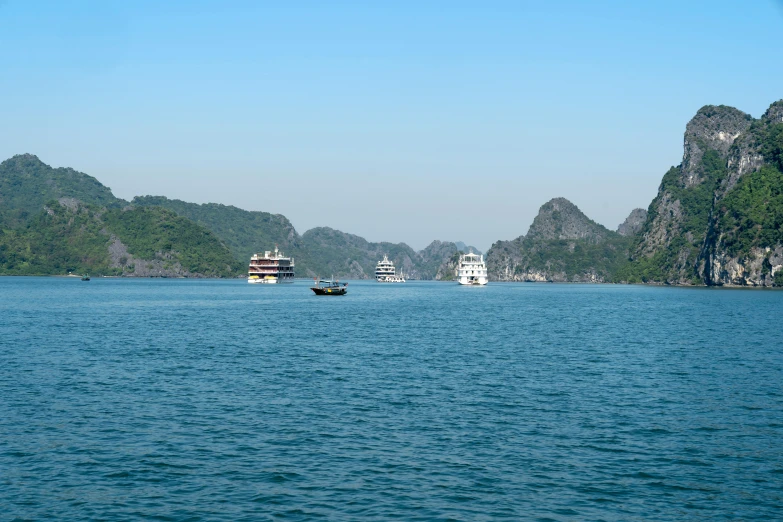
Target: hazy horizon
(404,124)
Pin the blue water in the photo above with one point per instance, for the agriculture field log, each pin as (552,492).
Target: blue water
(219,400)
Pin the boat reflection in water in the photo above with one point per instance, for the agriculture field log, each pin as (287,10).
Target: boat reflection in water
(325,287)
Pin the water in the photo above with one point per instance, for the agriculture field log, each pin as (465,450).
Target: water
(219,400)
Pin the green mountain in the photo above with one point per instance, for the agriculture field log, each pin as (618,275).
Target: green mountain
(320,251)
(561,245)
(55,220)
(718,216)
(717,220)
(331,252)
(71,236)
(243,231)
(26,184)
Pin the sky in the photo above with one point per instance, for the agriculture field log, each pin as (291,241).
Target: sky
(397,121)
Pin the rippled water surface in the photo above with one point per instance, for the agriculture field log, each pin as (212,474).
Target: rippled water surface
(219,400)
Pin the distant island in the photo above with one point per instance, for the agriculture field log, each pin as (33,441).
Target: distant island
(717,220)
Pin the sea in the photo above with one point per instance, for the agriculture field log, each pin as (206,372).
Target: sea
(189,400)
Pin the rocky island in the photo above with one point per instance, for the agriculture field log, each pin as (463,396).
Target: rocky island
(717,220)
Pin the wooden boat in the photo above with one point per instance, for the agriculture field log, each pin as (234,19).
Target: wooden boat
(324,287)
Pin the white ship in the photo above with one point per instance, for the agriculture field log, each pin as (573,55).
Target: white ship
(271,268)
(385,272)
(471,269)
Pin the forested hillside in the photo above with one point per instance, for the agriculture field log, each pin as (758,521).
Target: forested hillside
(70,236)
(55,220)
(245,232)
(562,245)
(717,220)
(26,184)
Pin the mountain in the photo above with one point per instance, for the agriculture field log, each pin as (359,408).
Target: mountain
(561,245)
(55,219)
(27,183)
(634,223)
(244,232)
(717,220)
(320,251)
(462,247)
(447,271)
(718,216)
(328,252)
(432,260)
(72,236)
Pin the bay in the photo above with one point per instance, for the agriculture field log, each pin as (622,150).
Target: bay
(126,399)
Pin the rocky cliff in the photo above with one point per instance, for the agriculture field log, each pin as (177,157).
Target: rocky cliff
(561,245)
(328,252)
(718,216)
(436,259)
(633,223)
(447,271)
(717,220)
(462,247)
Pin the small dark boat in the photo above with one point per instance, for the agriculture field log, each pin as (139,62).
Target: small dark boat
(85,278)
(324,287)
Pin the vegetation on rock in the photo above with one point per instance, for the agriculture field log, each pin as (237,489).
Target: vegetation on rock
(244,232)
(717,219)
(150,232)
(26,184)
(562,245)
(57,240)
(752,213)
(712,220)
(69,236)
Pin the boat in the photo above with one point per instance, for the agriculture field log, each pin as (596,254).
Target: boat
(326,287)
(472,270)
(85,277)
(386,273)
(271,268)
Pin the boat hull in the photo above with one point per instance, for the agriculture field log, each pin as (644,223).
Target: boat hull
(328,291)
(392,279)
(481,281)
(269,280)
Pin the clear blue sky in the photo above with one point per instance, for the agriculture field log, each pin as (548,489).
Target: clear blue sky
(428,120)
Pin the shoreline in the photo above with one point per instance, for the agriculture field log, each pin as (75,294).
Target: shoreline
(308,279)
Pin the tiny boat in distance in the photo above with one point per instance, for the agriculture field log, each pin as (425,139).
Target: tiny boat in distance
(85,277)
(324,287)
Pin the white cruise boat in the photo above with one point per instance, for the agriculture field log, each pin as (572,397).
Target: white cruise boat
(471,269)
(271,268)
(385,272)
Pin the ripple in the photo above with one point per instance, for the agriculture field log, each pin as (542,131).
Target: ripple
(209,400)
